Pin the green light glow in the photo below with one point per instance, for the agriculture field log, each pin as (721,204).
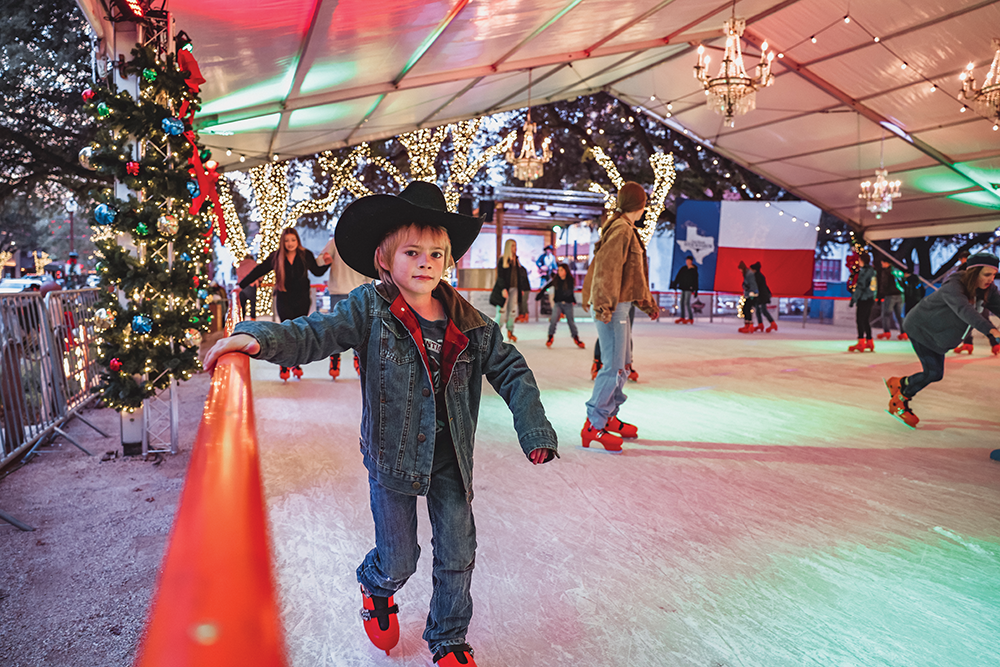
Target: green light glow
(985,178)
(256,124)
(323,76)
(303,118)
(980,199)
(271,90)
(937,180)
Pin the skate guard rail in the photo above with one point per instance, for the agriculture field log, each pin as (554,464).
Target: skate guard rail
(216,602)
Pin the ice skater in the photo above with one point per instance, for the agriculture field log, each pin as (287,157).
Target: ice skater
(749,297)
(424,351)
(940,321)
(863,297)
(890,294)
(563,301)
(342,281)
(511,279)
(291,264)
(686,281)
(763,298)
(617,279)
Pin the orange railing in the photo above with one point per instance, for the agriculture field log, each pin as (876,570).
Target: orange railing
(216,603)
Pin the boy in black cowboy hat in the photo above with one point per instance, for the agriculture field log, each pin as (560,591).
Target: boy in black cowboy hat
(423,351)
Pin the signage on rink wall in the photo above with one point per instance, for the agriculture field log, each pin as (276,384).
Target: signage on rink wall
(782,237)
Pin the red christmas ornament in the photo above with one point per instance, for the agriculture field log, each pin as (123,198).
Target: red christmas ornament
(116,364)
(196,281)
(87,94)
(132,168)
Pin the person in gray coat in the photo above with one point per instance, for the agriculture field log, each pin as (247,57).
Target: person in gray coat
(939,322)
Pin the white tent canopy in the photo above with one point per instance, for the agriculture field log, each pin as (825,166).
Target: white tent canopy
(292,78)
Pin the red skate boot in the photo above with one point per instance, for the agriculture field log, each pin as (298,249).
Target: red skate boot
(610,441)
(381,624)
(759,327)
(357,364)
(903,336)
(548,343)
(623,429)
(297,372)
(579,343)
(899,407)
(455,656)
(773,326)
(283,374)
(870,345)
(895,387)
(511,337)
(860,346)
(885,335)
(747,329)
(633,375)
(334,366)
(680,320)
(595,369)
(964,347)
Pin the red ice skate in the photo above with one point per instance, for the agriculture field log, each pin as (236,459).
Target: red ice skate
(680,320)
(870,344)
(297,372)
(899,407)
(633,375)
(747,329)
(579,343)
(964,347)
(283,374)
(335,366)
(759,327)
(595,369)
(455,656)
(885,335)
(895,387)
(773,326)
(623,429)
(902,336)
(357,364)
(548,343)
(381,624)
(610,441)
(860,346)
(511,337)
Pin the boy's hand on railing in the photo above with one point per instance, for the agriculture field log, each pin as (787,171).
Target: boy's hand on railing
(542,455)
(236,343)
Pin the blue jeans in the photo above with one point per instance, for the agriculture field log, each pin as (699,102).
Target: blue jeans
(508,311)
(388,566)
(567,309)
(686,305)
(892,305)
(933,369)
(615,338)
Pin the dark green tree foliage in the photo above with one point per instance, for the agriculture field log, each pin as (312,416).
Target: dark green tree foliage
(151,273)
(44,54)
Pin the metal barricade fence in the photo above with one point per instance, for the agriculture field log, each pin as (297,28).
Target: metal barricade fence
(47,366)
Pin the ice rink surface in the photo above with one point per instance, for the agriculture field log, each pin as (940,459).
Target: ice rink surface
(770,514)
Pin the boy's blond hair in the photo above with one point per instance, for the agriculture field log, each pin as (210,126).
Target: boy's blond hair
(387,248)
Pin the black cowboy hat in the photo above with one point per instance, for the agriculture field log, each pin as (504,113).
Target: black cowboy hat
(368,220)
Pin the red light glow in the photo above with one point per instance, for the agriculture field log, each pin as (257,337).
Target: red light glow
(133,7)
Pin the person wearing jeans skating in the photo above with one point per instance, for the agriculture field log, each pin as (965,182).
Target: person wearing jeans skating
(890,293)
(505,294)
(686,281)
(618,277)
(563,302)
(940,321)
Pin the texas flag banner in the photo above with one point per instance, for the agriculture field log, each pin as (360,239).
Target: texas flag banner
(782,237)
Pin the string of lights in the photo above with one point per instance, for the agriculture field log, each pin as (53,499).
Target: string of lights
(270,188)
(423,147)
(236,242)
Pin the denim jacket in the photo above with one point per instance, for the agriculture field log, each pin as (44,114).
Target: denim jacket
(398,420)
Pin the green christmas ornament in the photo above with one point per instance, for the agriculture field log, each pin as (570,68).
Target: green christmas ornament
(149,75)
(205,154)
(103,110)
(142,229)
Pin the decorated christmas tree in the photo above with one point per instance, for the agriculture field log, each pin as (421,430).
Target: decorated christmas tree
(153,231)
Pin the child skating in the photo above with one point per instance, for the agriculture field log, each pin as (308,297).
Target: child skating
(940,321)
(563,300)
(423,350)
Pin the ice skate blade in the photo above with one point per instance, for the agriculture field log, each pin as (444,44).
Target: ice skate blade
(600,448)
(901,421)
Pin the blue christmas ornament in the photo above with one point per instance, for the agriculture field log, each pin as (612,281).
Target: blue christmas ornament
(104,214)
(185,257)
(174,126)
(202,294)
(193,188)
(142,325)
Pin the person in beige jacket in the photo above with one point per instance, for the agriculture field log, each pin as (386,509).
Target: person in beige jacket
(343,279)
(618,277)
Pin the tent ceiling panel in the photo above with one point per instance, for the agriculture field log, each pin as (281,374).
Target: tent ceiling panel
(297,78)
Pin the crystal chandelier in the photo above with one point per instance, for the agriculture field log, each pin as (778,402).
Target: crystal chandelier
(733,92)
(878,194)
(986,99)
(528,164)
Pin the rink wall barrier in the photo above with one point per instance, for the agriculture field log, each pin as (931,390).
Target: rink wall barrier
(48,368)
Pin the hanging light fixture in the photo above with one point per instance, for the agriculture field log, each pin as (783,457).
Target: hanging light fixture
(986,99)
(879,193)
(733,92)
(527,163)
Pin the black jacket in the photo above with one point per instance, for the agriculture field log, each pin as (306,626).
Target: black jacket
(563,289)
(294,301)
(763,291)
(505,278)
(686,280)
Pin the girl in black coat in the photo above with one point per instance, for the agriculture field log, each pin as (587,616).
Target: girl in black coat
(563,285)
(290,263)
(763,298)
